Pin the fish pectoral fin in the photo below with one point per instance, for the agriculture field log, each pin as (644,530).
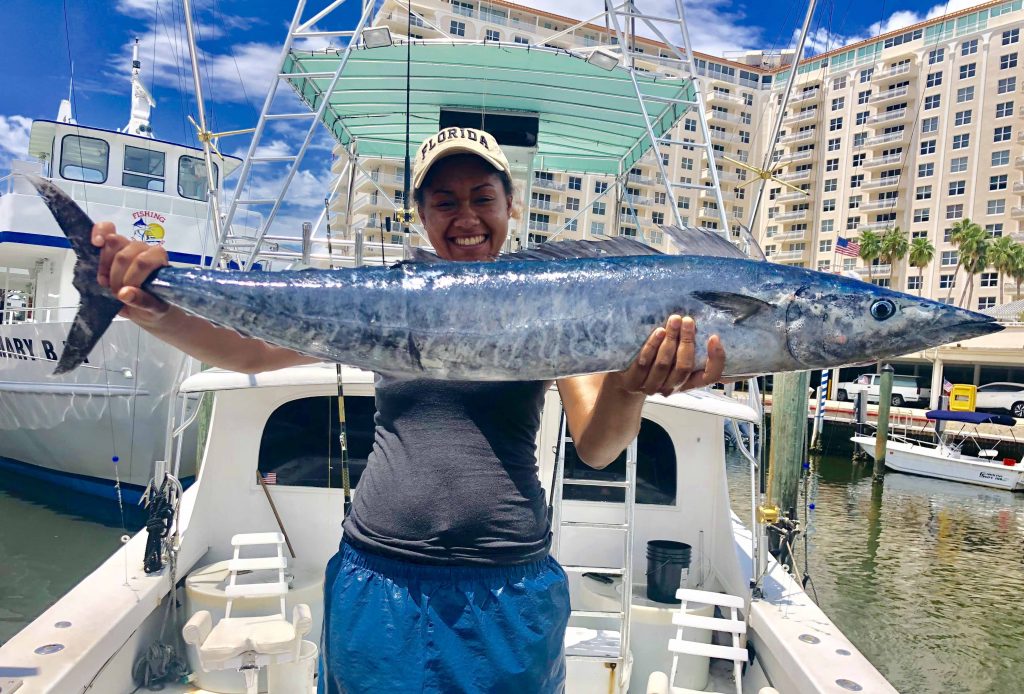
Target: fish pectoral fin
(739,306)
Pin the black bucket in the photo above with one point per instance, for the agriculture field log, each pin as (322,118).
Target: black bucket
(665,560)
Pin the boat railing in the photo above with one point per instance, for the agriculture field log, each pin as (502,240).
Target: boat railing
(42,314)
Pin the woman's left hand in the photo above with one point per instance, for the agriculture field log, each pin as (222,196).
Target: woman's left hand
(666,361)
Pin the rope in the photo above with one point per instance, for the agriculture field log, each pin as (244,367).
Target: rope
(159,666)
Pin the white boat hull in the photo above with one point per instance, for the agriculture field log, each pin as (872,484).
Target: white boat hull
(941,463)
(74,425)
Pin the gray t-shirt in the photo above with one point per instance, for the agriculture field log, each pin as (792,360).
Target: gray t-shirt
(452,478)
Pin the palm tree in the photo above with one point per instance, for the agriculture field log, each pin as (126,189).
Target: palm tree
(965,228)
(894,246)
(922,252)
(870,248)
(973,245)
(1016,270)
(1000,257)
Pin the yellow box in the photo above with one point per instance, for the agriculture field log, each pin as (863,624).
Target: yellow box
(962,397)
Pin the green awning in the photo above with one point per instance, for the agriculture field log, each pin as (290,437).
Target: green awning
(590,118)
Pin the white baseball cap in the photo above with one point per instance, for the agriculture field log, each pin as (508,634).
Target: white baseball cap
(457,141)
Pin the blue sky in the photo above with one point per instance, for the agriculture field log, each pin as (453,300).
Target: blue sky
(240,43)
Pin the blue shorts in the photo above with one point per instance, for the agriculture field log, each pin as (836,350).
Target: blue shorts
(396,626)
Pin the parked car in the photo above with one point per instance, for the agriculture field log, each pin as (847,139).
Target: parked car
(1001,396)
(905,389)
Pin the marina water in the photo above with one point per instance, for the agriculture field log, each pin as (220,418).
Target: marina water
(922,575)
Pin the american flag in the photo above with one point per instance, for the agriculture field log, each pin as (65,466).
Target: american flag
(270,478)
(847,247)
(947,387)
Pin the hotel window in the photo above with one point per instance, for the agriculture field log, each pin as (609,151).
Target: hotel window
(962,141)
(828,205)
(824,265)
(1004,109)
(839,103)
(949,258)
(858,139)
(1008,61)
(492,35)
(854,202)
(660,197)
(600,186)
(923,193)
(930,125)
(658,218)
(686,164)
(827,225)
(832,165)
(932,101)
(521,40)
(957,187)
(962,118)
(958,165)
(954,211)
(924,170)
(994,230)
(995,207)
(861,118)
(863,97)
(825,246)
(947,282)
(571,224)
(836,123)
(964,94)
(1001,157)
(831,184)
(934,79)
(865,75)
(457,28)
(913,283)
(1002,133)
(922,215)
(919,234)
(690,125)
(858,159)
(598,208)
(597,228)
(997,182)
(985,302)
(927,146)
(936,56)
(834,143)
(572,204)
(967,71)
(575,183)
(852,223)
(969,47)
(1007,85)
(839,82)
(1011,36)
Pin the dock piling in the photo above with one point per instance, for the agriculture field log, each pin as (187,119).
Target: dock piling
(882,432)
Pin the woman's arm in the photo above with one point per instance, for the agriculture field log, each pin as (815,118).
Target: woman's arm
(603,410)
(125,265)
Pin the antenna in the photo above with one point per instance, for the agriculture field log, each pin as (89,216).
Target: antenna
(142,102)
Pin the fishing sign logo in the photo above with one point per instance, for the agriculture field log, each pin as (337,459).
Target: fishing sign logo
(149,227)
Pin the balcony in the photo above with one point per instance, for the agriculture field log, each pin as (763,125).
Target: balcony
(642,180)
(876,226)
(538,226)
(788,236)
(889,116)
(887,182)
(885,139)
(890,72)
(888,95)
(795,216)
(876,271)
(1018,187)
(637,200)
(805,155)
(887,160)
(803,136)
(546,205)
(801,116)
(799,175)
(876,205)
(547,185)
(715,96)
(804,96)
(1017,213)
(716,115)
(789,197)
(785,256)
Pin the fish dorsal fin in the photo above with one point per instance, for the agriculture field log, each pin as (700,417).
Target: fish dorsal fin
(614,247)
(419,256)
(698,241)
(739,306)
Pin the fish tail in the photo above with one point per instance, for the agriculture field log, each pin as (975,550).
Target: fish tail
(98,305)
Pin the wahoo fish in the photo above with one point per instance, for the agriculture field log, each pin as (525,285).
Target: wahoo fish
(561,309)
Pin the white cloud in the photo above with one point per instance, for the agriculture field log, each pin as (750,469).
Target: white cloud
(14,131)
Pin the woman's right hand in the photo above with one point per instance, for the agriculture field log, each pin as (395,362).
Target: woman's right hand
(124,266)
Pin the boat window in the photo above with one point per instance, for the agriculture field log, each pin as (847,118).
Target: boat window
(655,471)
(84,159)
(300,445)
(143,168)
(192,178)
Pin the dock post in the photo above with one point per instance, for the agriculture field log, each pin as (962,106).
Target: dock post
(882,430)
(789,438)
(860,418)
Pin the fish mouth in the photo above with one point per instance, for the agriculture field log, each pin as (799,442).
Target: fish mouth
(976,326)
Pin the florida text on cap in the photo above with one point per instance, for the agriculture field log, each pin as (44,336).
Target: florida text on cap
(457,141)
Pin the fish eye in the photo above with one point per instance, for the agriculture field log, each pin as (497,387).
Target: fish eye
(883,309)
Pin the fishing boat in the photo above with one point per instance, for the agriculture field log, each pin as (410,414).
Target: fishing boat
(943,456)
(70,429)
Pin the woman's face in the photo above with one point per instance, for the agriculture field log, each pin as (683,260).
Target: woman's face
(465,209)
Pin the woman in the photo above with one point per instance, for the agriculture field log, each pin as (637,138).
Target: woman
(443,582)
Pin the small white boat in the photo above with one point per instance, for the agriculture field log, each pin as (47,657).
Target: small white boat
(943,457)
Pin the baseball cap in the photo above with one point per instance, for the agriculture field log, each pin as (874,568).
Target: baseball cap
(457,141)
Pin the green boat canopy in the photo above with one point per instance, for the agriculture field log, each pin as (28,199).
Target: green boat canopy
(590,119)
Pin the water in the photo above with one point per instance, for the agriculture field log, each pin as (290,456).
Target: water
(924,576)
(49,540)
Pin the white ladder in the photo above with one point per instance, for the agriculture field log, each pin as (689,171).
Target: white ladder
(605,646)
